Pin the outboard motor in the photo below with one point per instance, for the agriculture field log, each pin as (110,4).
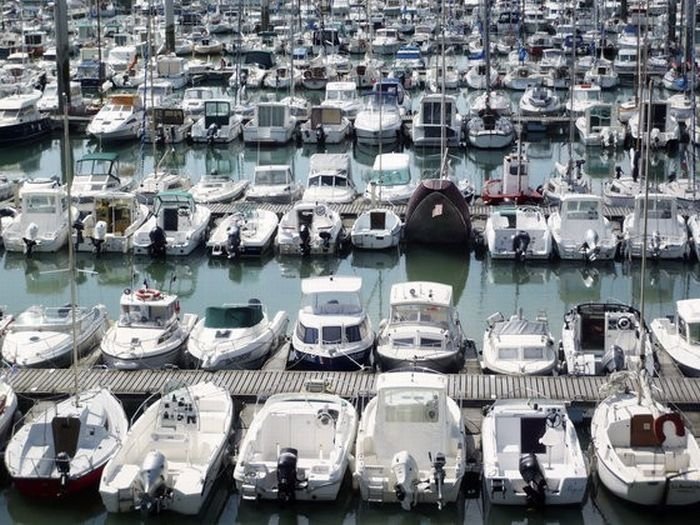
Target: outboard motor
(320,135)
(618,172)
(305,238)
(521,242)
(63,467)
(655,244)
(158,242)
(439,475)
(671,176)
(153,474)
(212,132)
(532,474)
(405,470)
(79,227)
(613,360)
(233,241)
(590,248)
(326,238)
(287,475)
(30,238)
(99,236)
(579,168)
(160,135)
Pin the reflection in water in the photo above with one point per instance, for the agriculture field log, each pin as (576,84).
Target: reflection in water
(664,281)
(579,283)
(173,274)
(508,272)
(302,267)
(44,273)
(453,267)
(85,509)
(503,515)
(377,259)
(240,270)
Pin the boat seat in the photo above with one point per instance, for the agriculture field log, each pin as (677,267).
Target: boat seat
(212,425)
(676,461)
(189,482)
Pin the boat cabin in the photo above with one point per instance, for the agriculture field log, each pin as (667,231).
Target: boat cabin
(147,308)
(174,210)
(217,112)
(96,172)
(515,173)
(688,321)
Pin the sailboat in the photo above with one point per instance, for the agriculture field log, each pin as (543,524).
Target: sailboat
(62,450)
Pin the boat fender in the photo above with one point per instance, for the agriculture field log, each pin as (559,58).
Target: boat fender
(673,417)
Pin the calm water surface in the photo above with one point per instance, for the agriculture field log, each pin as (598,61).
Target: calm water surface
(481,287)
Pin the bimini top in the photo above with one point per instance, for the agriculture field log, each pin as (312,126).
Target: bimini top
(335,284)
(412,380)
(421,292)
(689,310)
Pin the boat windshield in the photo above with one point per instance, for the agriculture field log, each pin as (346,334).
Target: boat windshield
(328,181)
(657,209)
(40,203)
(411,406)
(340,94)
(233,316)
(271,177)
(144,315)
(693,333)
(390,177)
(582,210)
(512,353)
(332,303)
(421,313)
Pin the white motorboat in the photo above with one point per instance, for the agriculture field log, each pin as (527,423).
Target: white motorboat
(99,172)
(272,123)
(411,443)
(343,95)
(274,183)
(679,335)
(318,75)
(207,46)
(239,337)
(423,329)
(108,222)
(168,125)
(173,452)
(327,125)
(532,455)
(602,73)
(390,181)
(379,122)
(489,130)
(478,77)
(584,96)
(386,41)
(249,232)
(310,228)
(48,103)
(282,77)
(148,333)
(645,453)
(42,336)
(217,187)
(42,223)
(219,123)
(194,98)
(330,179)
(664,130)
(155,94)
(427,126)
(61,451)
(20,119)
(159,180)
(517,346)
(121,118)
(522,77)
(298,447)
(567,178)
(172,69)
(376,229)
(601,338)
(667,234)
(333,330)
(435,72)
(176,226)
(540,102)
(622,189)
(581,231)
(518,233)
(599,126)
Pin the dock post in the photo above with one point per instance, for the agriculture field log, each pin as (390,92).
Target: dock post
(62,54)
(169,27)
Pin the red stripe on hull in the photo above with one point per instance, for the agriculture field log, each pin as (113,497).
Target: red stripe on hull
(50,488)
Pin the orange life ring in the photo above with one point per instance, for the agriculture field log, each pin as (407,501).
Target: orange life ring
(147,294)
(673,417)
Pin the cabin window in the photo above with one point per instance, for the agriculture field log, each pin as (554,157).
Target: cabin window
(429,342)
(507,354)
(332,335)
(271,116)
(582,210)
(533,353)
(40,204)
(682,328)
(694,333)
(271,177)
(353,334)
(432,112)
(403,342)
(307,334)
(411,407)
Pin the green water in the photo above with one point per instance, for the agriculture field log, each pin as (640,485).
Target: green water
(481,287)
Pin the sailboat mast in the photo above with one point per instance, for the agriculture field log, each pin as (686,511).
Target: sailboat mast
(442,89)
(572,83)
(487,51)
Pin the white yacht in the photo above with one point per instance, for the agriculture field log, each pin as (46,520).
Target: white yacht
(249,232)
(310,228)
(518,233)
(679,335)
(423,329)
(601,338)
(567,178)
(160,180)
(584,96)
(532,455)
(599,127)
(176,226)
(427,127)
(272,123)
(48,103)
(602,73)
(343,95)
(386,41)
(121,118)
(298,447)
(330,179)
(167,125)
(217,187)
(379,122)
(665,130)
(42,336)
(194,99)
(581,231)
(149,332)
(411,442)
(327,125)
(172,69)
(219,124)
(390,181)
(667,234)
(517,346)
(376,229)
(20,119)
(540,102)
(333,330)
(275,184)
(172,455)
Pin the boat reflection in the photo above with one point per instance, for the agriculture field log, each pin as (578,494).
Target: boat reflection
(507,272)
(453,268)
(503,515)
(581,283)
(86,509)
(240,269)
(375,259)
(664,282)
(174,275)
(301,267)
(44,273)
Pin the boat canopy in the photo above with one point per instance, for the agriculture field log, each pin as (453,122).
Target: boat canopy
(222,317)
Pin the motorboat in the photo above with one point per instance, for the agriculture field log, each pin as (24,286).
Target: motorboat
(664,130)
(42,336)
(297,448)
(238,337)
(390,181)
(437,76)
(343,95)
(274,183)
(381,120)
(194,98)
(437,213)
(99,172)
(518,232)
(423,329)
(176,226)
(517,346)
(600,127)
(376,229)
(207,46)
(679,335)
(149,332)
(330,179)
(601,338)
(49,101)
(20,119)
(540,102)
(160,180)
(514,184)
(666,231)
(310,228)
(216,187)
(427,128)
(219,124)
(171,69)
(581,231)
(567,178)
(532,455)
(155,94)
(327,125)
(623,187)
(523,76)
(168,125)
(272,123)
(645,453)
(386,41)
(478,77)
(42,224)
(318,75)
(249,232)
(490,130)
(411,442)
(121,118)
(108,222)
(602,73)
(61,451)
(173,453)
(583,97)
(333,330)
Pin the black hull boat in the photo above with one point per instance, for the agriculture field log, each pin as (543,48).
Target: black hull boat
(437,214)
(24,131)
